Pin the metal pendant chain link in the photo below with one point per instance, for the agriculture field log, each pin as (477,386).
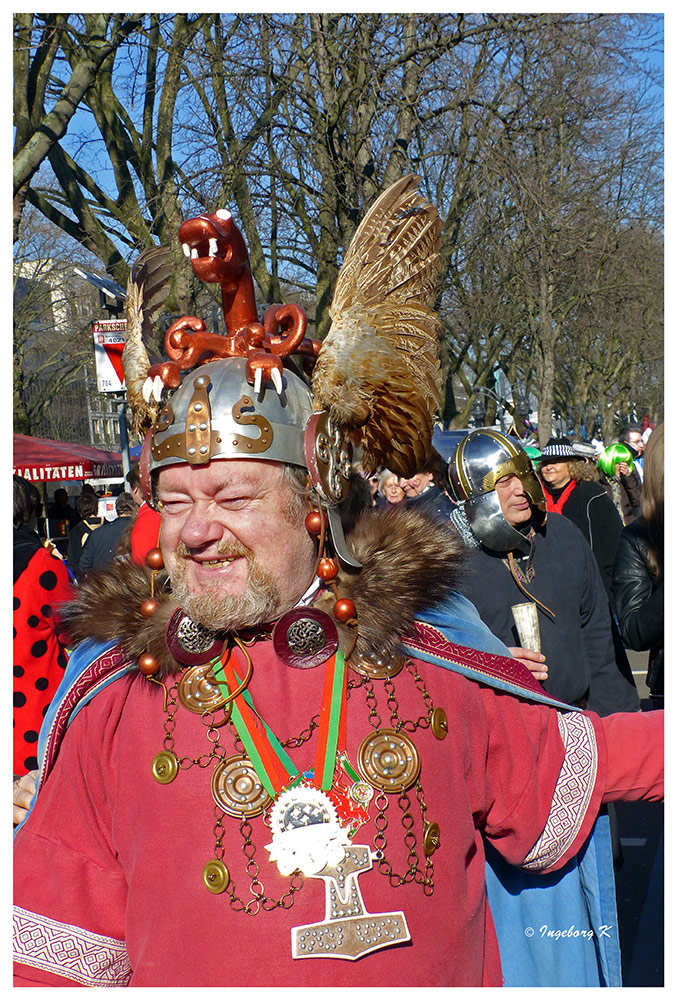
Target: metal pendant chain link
(213,735)
(414,873)
(259,898)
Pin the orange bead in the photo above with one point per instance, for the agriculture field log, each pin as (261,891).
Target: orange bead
(154,559)
(148,664)
(327,569)
(344,610)
(314,522)
(149,607)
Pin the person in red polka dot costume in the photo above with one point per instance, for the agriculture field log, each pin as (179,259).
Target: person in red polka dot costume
(41,585)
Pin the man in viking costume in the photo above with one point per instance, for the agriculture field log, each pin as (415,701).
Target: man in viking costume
(284,750)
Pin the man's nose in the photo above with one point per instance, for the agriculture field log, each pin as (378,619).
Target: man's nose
(200,529)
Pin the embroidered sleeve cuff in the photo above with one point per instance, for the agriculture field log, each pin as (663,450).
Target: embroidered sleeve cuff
(576,797)
(69,952)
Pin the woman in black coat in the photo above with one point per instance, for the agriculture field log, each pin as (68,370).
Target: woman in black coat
(637,581)
(572,488)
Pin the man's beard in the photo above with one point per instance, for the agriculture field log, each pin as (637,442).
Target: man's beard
(224,612)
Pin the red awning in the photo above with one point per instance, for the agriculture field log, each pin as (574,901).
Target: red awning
(41,460)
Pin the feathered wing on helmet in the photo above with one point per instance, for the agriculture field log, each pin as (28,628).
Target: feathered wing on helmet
(378,370)
(147,289)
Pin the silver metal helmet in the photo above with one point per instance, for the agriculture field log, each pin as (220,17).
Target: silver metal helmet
(215,413)
(482,458)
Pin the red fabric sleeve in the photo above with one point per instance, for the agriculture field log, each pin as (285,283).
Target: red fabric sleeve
(69,889)
(635,758)
(524,758)
(54,981)
(554,770)
(546,777)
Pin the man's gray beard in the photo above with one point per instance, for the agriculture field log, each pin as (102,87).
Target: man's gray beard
(228,613)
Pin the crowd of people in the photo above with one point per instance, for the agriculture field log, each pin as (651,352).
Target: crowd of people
(617,512)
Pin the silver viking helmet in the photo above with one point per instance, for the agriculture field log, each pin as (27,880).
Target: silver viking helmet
(215,413)
(482,458)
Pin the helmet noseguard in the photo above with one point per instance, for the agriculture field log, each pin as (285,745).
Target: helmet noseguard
(482,458)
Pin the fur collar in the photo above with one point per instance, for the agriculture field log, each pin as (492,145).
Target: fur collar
(402,553)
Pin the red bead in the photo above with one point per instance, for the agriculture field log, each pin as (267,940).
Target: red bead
(327,569)
(314,522)
(149,607)
(148,664)
(344,610)
(154,559)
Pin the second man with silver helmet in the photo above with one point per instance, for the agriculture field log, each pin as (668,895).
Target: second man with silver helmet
(521,557)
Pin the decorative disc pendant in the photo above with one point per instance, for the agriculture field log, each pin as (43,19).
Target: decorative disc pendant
(305,637)
(389,760)
(306,831)
(439,724)
(190,643)
(431,838)
(164,767)
(237,788)
(377,668)
(198,690)
(215,876)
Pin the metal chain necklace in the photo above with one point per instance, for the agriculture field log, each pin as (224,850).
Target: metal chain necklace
(387,759)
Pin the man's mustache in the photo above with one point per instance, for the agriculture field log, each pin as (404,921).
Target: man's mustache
(230,549)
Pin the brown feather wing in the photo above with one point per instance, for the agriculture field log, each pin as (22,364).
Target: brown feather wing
(147,289)
(378,368)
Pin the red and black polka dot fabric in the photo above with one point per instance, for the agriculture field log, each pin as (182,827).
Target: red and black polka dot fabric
(39,658)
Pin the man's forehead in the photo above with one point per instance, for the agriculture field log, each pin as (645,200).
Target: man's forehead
(220,474)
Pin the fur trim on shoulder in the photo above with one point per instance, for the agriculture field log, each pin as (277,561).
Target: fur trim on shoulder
(409,564)
(108,607)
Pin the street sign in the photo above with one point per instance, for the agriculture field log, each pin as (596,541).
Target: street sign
(108,344)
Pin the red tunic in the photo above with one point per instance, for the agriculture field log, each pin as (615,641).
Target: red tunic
(39,657)
(108,866)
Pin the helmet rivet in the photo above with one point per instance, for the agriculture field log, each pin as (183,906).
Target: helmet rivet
(200,382)
(203,449)
(191,427)
(191,451)
(203,426)
(197,407)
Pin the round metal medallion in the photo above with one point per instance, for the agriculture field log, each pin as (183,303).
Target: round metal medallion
(305,637)
(198,690)
(378,668)
(439,724)
(237,788)
(431,838)
(190,643)
(165,767)
(389,760)
(215,876)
